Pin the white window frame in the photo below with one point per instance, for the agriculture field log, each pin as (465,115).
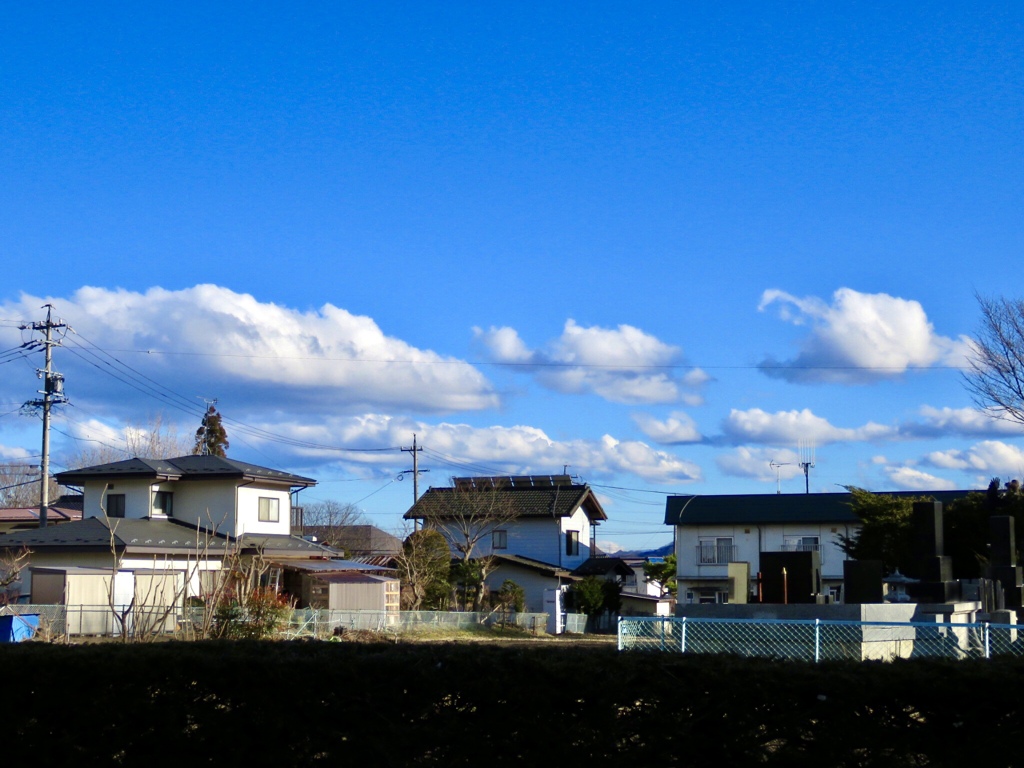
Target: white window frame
(710,550)
(272,512)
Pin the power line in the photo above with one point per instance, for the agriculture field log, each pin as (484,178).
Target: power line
(549,363)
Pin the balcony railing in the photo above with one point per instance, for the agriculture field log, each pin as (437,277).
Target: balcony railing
(716,554)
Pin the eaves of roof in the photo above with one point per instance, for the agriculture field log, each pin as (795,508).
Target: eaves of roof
(537,566)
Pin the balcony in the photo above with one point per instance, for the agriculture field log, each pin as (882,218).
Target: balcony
(716,554)
(806,546)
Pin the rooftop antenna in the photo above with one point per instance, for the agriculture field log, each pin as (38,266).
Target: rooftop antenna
(807,462)
(777,466)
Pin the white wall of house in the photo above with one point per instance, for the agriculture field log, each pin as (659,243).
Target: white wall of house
(532,582)
(221,505)
(702,554)
(208,503)
(137,497)
(543,539)
(249,510)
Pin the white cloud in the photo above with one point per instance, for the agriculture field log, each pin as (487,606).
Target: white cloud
(756,463)
(910,479)
(503,450)
(859,337)
(792,427)
(677,428)
(9,453)
(618,364)
(208,340)
(966,422)
(986,456)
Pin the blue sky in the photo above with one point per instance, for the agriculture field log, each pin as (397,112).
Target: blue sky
(660,245)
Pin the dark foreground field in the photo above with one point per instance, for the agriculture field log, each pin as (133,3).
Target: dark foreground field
(297,704)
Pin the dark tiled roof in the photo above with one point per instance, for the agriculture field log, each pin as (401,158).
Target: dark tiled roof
(333,566)
(602,566)
(357,540)
(93,533)
(156,535)
(279,545)
(527,501)
(181,468)
(776,508)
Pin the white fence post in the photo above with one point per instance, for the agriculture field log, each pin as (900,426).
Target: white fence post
(817,640)
(682,632)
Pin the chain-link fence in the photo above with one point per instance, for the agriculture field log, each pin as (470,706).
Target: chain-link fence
(820,640)
(53,623)
(324,623)
(60,622)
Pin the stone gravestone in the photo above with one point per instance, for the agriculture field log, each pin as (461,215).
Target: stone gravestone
(929,564)
(1003,559)
(862,581)
(802,582)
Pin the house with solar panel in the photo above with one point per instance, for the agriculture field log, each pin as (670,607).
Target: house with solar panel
(538,529)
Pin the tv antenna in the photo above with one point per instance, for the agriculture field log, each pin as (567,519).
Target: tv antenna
(777,466)
(807,462)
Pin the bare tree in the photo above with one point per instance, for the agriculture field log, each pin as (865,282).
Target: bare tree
(12,561)
(468,514)
(996,378)
(157,439)
(19,485)
(327,520)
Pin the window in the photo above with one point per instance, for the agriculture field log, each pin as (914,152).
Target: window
(115,505)
(499,540)
(572,543)
(269,509)
(163,503)
(715,551)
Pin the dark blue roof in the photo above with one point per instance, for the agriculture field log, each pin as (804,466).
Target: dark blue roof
(776,508)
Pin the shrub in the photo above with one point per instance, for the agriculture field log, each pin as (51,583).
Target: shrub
(259,615)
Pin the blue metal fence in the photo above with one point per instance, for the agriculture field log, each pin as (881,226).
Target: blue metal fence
(819,639)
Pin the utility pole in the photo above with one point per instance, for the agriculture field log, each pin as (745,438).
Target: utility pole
(415,471)
(53,394)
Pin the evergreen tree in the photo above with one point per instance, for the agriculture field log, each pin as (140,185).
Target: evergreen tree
(211,437)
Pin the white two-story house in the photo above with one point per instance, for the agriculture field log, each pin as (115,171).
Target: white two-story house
(218,494)
(711,532)
(176,518)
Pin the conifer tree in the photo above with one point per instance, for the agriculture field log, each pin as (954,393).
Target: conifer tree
(211,437)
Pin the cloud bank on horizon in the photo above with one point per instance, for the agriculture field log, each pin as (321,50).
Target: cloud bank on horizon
(325,380)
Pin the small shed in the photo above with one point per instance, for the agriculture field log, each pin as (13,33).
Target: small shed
(90,603)
(342,585)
